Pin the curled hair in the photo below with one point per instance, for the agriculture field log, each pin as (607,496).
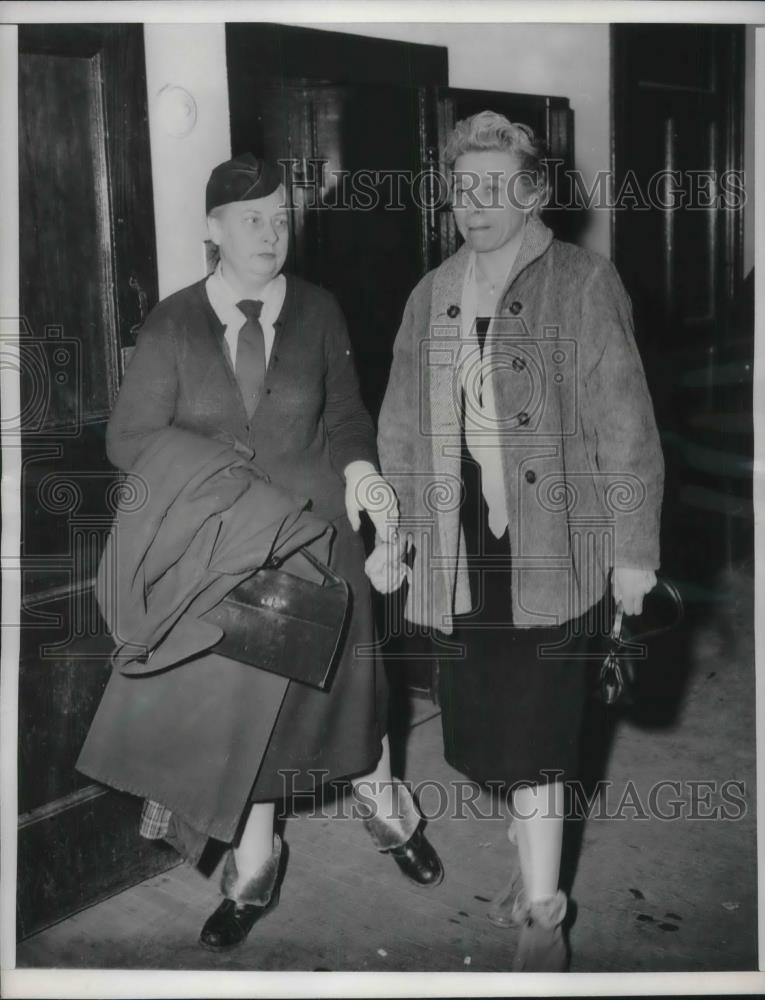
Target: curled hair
(489,130)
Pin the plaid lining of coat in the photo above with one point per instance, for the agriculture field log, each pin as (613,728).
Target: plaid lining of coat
(155,819)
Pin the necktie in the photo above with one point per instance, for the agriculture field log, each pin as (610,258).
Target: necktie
(250,364)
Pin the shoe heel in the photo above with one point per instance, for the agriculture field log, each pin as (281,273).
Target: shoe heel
(500,911)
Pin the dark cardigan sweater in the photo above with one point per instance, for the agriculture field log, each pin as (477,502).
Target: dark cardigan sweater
(310,421)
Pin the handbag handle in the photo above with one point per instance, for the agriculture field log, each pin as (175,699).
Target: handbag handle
(674,593)
(677,599)
(329,576)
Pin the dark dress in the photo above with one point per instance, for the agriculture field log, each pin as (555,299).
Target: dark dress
(509,715)
(309,424)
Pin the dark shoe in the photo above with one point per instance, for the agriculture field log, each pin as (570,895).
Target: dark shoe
(232,922)
(418,860)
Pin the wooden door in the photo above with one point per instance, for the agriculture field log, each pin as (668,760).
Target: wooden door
(88,274)
(678,229)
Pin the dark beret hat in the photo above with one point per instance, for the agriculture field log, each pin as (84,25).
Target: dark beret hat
(241,179)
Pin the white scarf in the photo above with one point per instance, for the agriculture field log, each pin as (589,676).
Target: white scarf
(482,433)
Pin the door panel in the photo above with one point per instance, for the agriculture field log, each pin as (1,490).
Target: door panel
(56,687)
(67,90)
(678,251)
(82,854)
(86,247)
(678,107)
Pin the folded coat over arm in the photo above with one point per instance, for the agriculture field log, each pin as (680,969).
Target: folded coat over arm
(178,723)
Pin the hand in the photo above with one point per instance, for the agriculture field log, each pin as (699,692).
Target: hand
(385,567)
(630,587)
(365,489)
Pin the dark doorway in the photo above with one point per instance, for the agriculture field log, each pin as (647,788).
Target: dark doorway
(678,230)
(88,274)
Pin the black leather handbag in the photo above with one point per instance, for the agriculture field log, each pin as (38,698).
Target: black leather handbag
(282,623)
(627,646)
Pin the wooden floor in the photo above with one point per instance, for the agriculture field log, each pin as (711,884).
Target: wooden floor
(649,894)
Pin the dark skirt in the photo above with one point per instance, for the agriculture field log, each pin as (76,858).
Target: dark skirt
(512,707)
(320,735)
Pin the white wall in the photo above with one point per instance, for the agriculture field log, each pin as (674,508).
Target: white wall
(560,60)
(192,56)
(566,60)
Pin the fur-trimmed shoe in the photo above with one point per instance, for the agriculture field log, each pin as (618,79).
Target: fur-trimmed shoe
(399,835)
(542,946)
(244,905)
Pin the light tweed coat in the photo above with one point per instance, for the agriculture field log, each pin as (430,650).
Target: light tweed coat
(580,452)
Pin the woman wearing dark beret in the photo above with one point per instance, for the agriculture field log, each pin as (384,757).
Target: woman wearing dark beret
(264,360)
(519,434)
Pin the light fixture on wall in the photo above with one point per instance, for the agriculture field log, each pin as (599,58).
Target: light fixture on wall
(176,111)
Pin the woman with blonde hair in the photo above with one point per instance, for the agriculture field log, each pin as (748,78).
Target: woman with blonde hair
(519,434)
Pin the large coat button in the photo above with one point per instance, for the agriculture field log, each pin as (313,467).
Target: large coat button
(531,476)
(515,308)
(453,311)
